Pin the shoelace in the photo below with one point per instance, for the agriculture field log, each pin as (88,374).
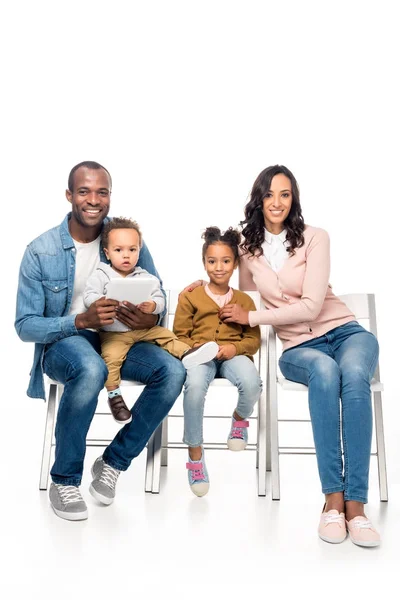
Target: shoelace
(333,519)
(198,474)
(69,493)
(196,471)
(237,430)
(363,524)
(109,476)
(237,433)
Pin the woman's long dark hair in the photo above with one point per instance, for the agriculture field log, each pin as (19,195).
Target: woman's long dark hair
(253,230)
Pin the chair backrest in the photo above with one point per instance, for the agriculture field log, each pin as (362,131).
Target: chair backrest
(363,307)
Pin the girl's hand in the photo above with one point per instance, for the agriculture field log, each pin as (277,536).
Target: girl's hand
(226,352)
(233,313)
(147,307)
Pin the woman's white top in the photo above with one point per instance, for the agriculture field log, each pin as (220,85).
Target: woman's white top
(274,247)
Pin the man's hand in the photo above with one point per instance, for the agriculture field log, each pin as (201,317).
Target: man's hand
(132,317)
(226,352)
(147,307)
(233,313)
(100,313)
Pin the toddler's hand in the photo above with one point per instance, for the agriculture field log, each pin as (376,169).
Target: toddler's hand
(147,307)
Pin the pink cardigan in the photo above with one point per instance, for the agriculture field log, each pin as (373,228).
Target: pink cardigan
(298,298)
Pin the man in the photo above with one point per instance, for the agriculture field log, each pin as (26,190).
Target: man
(51,313)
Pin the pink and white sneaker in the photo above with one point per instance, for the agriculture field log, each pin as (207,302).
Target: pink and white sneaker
(362,532)
(198,476)
(238,437)
(332,527)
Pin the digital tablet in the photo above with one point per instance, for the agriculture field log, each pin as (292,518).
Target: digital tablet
(131,289)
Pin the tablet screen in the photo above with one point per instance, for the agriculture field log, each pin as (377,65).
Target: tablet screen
(131,289)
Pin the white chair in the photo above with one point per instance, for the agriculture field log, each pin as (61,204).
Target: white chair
(55,392)
(363,306)
(161,445)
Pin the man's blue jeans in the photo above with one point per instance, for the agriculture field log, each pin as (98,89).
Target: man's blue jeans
(75,362)
(239,370)
(334,366)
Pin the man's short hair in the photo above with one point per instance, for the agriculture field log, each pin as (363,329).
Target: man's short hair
(119,223)
(88,164)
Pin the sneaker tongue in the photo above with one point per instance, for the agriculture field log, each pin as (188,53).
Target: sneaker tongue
(333,511)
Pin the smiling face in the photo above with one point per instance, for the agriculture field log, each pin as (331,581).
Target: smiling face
(90,199)
(277,203)
(123,250)
(219,262)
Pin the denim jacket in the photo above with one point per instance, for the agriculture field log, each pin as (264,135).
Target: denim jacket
(45,288)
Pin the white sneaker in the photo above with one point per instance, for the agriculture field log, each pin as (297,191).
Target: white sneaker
(200,355)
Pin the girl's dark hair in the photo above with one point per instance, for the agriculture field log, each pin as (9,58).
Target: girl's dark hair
(119,223)
(213,235)
(253,230)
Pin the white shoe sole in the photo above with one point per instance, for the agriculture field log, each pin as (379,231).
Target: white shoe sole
(204,354)
(236,445)
(200,489)
(123,422)
(80,516)
(332,540)
(100,497)
(371,544)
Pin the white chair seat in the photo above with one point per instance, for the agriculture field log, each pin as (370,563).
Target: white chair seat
(376,386)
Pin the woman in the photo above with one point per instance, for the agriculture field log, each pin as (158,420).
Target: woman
(324,347)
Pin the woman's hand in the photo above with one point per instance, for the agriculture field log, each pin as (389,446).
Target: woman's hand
(233,313)
(226,352)
(193,285)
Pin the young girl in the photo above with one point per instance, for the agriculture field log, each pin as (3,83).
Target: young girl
(197,320)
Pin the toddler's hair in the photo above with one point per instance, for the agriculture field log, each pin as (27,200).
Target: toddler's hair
(119,223)
(213,235)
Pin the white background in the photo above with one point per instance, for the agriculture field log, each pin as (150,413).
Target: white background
(185,103)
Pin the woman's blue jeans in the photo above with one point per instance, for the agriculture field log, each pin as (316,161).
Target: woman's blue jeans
(338,366)
(75,362)
(239,370)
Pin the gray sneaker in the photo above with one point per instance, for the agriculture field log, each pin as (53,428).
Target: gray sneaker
(104,481)
(67,502)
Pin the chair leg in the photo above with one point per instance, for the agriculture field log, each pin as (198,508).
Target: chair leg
(258,436)
(380,447)
(48,437)
(164,443)
(262,444)
(155,488)
(268,431)
(274,440)
(149,465)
